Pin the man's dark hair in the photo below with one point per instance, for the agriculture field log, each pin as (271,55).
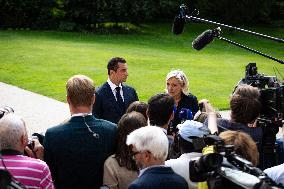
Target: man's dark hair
(245,105)
(113,64)
(184,145)
(160,108)
(138,106)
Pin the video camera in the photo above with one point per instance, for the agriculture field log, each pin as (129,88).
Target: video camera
(272,94)
(222,168)
(272,112)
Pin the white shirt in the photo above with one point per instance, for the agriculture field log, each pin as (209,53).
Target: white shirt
(113,89)
(276,173)
(181,166)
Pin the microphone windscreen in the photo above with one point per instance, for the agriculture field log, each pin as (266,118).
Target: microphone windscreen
(185,114)
(178,25)
(203,39)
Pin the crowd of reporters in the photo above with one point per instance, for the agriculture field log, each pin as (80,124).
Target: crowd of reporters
(150,146)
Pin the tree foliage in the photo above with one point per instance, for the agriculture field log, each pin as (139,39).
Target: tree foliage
(93,14)
(237,11)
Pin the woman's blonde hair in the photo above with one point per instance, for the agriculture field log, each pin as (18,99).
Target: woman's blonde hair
(181,77)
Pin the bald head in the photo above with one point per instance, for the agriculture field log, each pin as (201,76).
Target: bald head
(13,133)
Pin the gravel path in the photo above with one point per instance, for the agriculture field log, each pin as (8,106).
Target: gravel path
(39,112)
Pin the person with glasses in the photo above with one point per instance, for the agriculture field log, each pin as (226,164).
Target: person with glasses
(29,172)
(149,150)
(120,169)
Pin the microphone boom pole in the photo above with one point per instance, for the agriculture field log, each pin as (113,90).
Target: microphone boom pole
(208,36)
(235,28)
(250,49)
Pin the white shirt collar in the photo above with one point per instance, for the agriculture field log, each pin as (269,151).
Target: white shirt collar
(81,114)
(163,129)
(112,85)
(143,170)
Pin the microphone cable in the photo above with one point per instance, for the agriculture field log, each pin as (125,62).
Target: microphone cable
(95,135)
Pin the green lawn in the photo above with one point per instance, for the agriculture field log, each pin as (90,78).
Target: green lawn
(42,61)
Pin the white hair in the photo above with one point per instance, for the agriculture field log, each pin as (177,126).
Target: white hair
(150,138)
(12,128)
(182,79)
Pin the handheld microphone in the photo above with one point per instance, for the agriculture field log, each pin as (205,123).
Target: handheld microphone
(179,21)
(185,114)
(205,38)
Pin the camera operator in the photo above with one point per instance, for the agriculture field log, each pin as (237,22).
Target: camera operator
(187,131)
(30,172)
(244,145)
(149,149)
(245,109)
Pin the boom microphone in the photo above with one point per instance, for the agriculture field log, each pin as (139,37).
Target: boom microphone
(203,39)
(178,25)
(179,21)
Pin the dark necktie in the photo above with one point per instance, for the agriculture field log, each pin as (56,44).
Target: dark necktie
(119,98)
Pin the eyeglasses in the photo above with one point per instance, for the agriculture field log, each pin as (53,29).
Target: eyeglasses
(134,154)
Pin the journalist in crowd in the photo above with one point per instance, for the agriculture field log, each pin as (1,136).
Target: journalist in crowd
(245,108)
(120,169)
(188,131)
(30,172)
(114,97)
(177,87)
(160,112)
(138,106)
(149,149)
(76,149)
(244,146)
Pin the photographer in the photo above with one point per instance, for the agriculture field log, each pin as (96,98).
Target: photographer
(30,172)
(187,131)
(245,109)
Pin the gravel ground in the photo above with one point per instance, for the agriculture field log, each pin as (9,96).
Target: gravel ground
(39,112)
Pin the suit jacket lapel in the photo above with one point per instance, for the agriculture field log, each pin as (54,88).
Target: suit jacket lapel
(125,96)
(111,98)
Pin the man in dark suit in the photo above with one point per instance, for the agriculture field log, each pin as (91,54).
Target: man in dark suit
(76,150)
(149,149)
(113,97)
(160,112)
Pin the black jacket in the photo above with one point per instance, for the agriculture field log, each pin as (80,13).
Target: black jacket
(106,107)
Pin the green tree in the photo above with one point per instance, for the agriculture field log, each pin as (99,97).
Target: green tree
(236,11)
